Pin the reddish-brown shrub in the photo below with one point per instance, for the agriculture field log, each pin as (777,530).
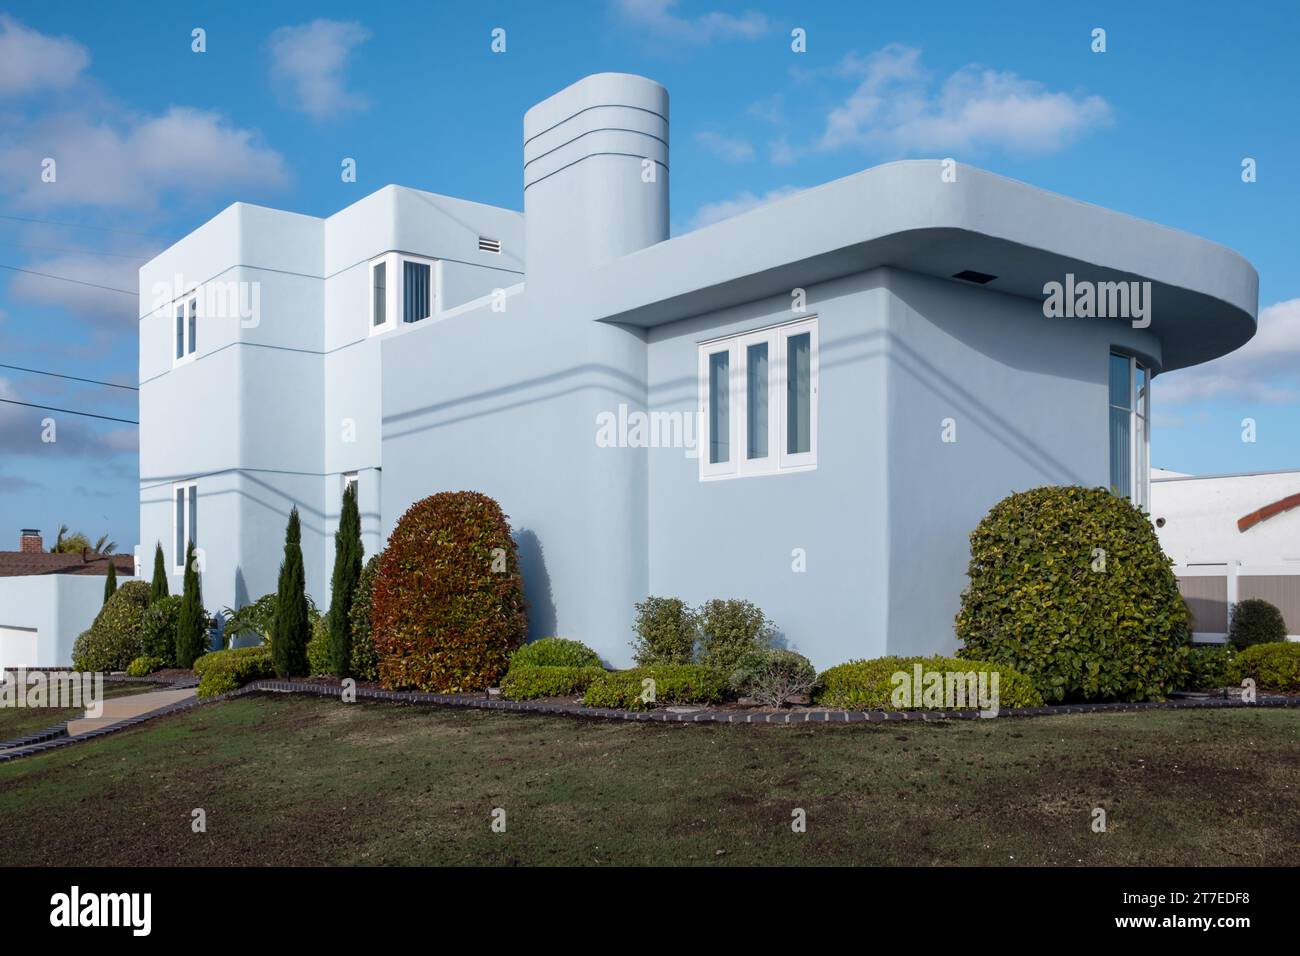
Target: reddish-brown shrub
(448,601)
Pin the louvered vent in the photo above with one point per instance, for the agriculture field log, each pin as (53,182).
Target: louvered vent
(489,245)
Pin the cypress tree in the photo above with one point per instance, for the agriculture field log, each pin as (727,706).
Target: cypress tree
(291,628)
(192,624)
(110,582)
(348,558)
(158,587)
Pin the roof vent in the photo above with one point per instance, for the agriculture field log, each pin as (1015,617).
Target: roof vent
(489,245)
(970,275)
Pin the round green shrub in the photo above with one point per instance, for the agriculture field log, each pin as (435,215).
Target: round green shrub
(1069,586)
(114,639)
(666,632)
(871,684)
(555,652)
(1255,621)
(773,675)
(448,602)
(223,671)
(158,629)
(1273,667)
(365,662)
(729,630)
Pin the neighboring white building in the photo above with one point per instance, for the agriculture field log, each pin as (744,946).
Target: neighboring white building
(1231,537)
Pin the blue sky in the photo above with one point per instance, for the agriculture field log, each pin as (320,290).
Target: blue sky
(151,139)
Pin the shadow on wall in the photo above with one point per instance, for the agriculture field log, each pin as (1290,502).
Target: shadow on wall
(537,585)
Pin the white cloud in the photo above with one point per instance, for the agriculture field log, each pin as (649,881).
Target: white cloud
(896,108)
(659,18)
(131,160)
(726,148)
(309,64)
(743,202)
(1266,369)
(31,61)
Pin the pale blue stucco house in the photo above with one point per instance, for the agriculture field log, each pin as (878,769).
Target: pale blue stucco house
(809,405)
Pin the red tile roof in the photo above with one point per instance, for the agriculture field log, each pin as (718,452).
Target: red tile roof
(18,563)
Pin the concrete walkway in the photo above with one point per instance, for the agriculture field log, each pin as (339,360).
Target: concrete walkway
(133,705)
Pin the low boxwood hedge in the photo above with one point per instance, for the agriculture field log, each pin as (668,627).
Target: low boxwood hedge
(673,684)
(223,671)
(1255,621)
(869,685)
(528,682)
(555,652)
(145,665)
(1273,667)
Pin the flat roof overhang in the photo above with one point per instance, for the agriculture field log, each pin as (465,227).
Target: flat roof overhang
(1204,296)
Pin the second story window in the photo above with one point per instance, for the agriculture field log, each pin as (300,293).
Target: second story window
(402,288)
(187,327)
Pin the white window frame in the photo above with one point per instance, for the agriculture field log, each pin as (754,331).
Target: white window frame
(187,303)
(191,490)
(778,459)
(1139,429)
(395,278)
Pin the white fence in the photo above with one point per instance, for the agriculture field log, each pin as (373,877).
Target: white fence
(1211,589)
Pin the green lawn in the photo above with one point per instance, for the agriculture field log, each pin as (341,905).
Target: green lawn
(19,721)
(295,780)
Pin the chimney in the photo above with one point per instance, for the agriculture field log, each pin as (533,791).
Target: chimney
(30,542)
(595,174)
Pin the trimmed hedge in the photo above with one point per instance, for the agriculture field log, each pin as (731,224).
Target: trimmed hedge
(1255,621)
(529,681)
(673,684)
(1070,587)
(1273,667)
(773,675)
(115,638)
(223,671)
(1210,667)
(144,666)
(555,652)
(869,684)
(448,602)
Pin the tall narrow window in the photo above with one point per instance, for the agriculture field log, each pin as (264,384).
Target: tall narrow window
(185,519)
(379,307)
(194,326)
(1130,433)
(763,386)
(798,394)
(719,407)
(180,331)
(756,412)
(415,291)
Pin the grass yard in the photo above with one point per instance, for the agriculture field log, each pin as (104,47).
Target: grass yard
(295,780)
(17,721)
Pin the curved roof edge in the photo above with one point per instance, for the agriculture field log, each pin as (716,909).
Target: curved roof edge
(1204,297)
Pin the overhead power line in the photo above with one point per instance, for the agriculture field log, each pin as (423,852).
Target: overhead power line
(78,225)
(46,275)
(84,252)
(69,411)
(73,378)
